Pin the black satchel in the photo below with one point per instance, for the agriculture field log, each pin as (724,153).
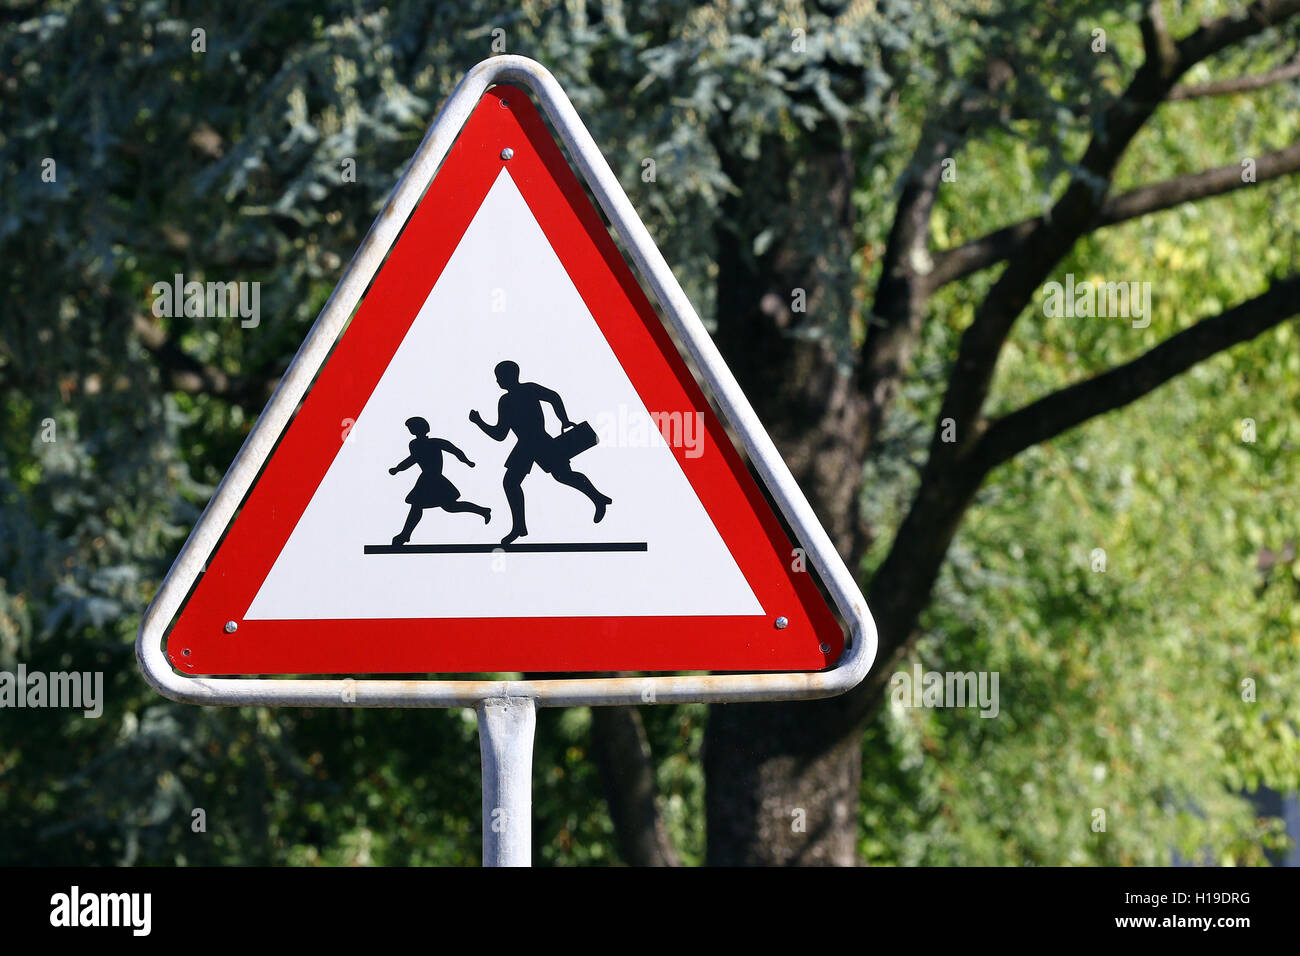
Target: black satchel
(573,441)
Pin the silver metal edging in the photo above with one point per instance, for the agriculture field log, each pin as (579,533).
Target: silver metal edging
(860,649)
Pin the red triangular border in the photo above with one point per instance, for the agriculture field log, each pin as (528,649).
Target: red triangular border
(199,643)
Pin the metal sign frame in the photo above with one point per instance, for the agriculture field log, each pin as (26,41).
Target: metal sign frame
(860,645)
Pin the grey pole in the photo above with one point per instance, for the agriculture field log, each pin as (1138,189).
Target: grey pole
(505,739)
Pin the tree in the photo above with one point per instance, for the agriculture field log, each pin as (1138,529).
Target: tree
(777,757)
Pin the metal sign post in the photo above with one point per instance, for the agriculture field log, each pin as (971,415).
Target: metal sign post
(505,739)
(784,644)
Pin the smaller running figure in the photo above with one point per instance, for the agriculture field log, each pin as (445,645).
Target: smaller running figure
(432,489)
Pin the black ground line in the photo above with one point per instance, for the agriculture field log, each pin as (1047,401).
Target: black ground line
(492,548)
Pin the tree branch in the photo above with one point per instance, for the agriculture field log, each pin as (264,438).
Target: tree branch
(1083,199)
(901,587)
(1048,242)
(1211,182)
(1062,410)
(904,284)
(1232,28)
(1238,84)
(999,245)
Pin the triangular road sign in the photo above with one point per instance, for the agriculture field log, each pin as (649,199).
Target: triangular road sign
(607,523)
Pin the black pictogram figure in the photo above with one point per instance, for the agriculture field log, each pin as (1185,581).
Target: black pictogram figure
(520,411)
(432,489)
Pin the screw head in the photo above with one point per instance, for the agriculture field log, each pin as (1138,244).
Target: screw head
(824,648)
(782,623)
(507,153)
(231,627)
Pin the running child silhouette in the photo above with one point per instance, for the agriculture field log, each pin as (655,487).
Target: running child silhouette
(432,489)
(520,411)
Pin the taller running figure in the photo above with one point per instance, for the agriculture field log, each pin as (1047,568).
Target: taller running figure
(520,411)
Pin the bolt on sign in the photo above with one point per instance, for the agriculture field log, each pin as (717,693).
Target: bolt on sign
(489,456)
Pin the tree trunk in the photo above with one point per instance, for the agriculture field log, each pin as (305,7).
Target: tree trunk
(780,789)
(779,792)
(622,755)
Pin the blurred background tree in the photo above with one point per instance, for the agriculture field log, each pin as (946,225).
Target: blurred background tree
(919,171)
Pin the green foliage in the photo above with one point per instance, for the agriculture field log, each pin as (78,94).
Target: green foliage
(1120,690)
